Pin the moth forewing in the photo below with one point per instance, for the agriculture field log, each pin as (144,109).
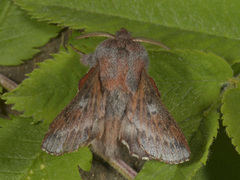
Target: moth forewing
(156,131)
(73,126)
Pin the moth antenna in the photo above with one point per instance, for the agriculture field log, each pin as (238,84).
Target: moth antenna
(76,50)
(101,34)
(150,41)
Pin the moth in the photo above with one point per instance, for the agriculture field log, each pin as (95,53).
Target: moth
(118,103)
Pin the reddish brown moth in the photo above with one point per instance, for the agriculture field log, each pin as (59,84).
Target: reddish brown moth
(118,102)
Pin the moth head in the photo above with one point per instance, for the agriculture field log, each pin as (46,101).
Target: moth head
(123,34)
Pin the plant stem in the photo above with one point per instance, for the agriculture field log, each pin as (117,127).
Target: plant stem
(8,84)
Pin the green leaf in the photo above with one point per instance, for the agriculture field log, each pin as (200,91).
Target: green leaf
(20,35)
(231,114)
(192,15)
(22,158)
(48,89)
(223,161)
(189,80)
(236,68)
(209,25)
